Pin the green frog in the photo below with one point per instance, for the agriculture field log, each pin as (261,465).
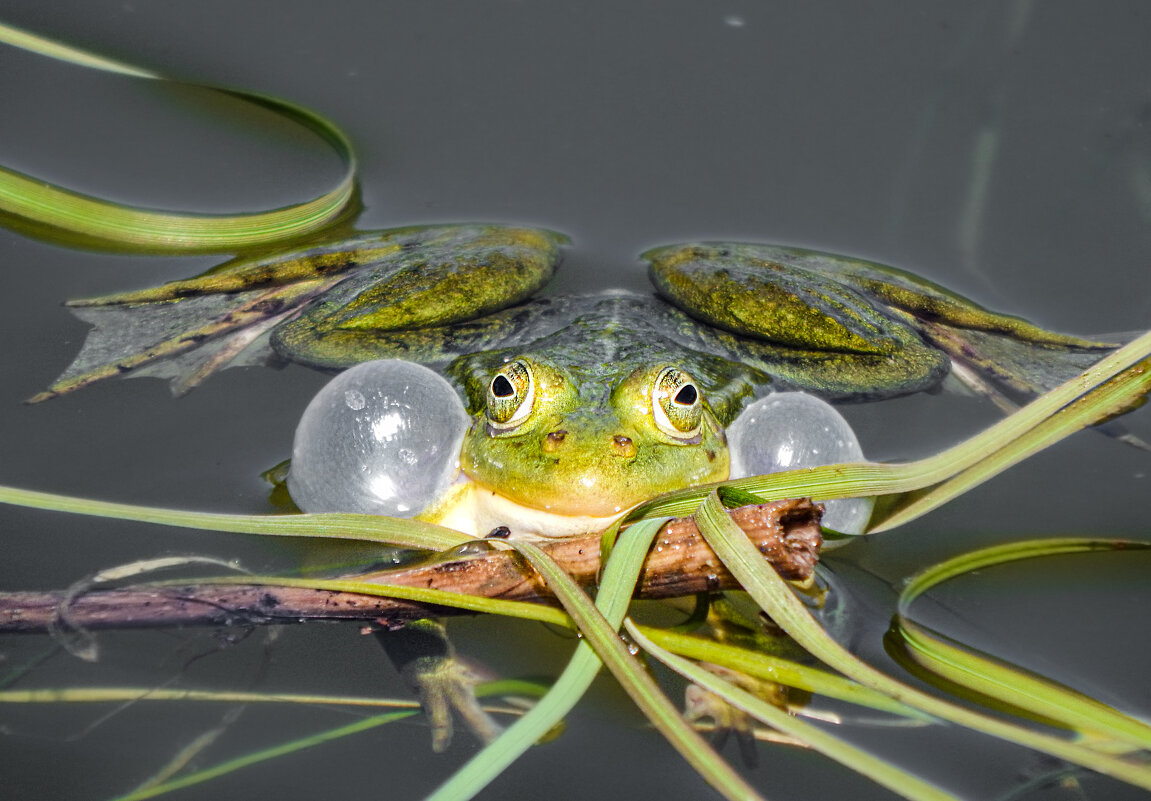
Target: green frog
(581,405)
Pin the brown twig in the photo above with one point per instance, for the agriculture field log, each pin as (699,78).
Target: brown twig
(680,563)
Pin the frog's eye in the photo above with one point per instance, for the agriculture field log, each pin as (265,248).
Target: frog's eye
(677,404)
(510,395)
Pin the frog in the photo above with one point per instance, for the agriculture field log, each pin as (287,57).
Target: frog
(582,405)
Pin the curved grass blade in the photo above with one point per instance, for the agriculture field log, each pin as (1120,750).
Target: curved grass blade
(1102,401)
(103,223)
(775,598)
(619,581)
(874,768)
(601,633)
(985,453)
(996,679)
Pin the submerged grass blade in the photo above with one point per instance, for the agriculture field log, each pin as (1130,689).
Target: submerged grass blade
(104,695)
(403,708)
(874,768)
(775,598)
(232,765)
(125,227)
(993,678)
(618,584)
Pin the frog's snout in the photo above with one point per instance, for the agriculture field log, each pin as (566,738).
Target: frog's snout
(619,445)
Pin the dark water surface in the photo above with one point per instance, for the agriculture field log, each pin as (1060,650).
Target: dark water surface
(1002,149)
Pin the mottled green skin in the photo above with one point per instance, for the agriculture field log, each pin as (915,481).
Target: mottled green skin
(739,320)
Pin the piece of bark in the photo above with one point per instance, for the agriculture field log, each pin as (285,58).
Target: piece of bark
(679,563)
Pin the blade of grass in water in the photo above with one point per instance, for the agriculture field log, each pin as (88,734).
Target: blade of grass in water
(1110,396)
(778,670)
(104,695)
(131,228)
(874,768)
(620,576)
(602,634)
(775,598)
(996,679)
(990,449)
(232,765)
(403,533)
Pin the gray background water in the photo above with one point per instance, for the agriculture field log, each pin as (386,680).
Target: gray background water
(999,148)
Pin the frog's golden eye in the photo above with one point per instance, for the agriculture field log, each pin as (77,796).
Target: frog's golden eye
(677,404)
(510,395)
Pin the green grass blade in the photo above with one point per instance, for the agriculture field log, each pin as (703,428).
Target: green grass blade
(993,448)
(775,597)
(615,593)
(232,765)
(105,695)
(423,595)
(600,629)
(1115,393)
(124,227)
(874,768)
(994,678)
(778,670)
(400,532)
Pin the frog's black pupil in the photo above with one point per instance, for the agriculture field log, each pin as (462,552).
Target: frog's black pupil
(502,388)
(686,396)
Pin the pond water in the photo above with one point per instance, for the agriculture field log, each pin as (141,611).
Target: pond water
(1001,149)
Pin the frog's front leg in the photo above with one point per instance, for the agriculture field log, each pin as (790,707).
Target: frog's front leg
(851,329)
(443,683)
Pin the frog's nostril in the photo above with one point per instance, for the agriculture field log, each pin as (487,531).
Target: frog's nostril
(623,446)
(554,440)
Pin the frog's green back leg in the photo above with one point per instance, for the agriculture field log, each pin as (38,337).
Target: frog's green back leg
(418,277)
(335,348)
(848,314)
(807,330)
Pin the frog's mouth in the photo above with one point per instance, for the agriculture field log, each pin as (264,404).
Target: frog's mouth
(480,511)
(597,485)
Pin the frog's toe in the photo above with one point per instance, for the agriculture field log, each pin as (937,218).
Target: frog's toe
(446,687)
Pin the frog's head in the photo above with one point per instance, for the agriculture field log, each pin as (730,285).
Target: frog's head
(592,444)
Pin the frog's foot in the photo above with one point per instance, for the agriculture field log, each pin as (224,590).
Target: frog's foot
(849,329)
(700,705)
(443,683)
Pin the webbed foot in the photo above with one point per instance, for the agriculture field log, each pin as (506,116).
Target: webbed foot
(700,705)
(443,683)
